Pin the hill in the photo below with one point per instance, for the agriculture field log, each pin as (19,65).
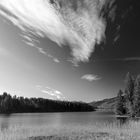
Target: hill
(107,104)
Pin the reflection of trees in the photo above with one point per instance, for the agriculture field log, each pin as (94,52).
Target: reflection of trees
(122,120)
(126,120)
(4,121)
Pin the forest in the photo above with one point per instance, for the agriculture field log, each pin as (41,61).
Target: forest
(14,104)
(128,101)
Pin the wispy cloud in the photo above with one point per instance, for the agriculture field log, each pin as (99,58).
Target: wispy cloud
(132,59)
(41,50)
(90,77)
(53,94)
(78,23)
(119,59)
(56,60)
(33,43)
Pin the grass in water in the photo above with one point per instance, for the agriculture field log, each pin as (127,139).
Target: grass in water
(98,131)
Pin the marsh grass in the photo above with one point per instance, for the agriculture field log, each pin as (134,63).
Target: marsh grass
(98,131)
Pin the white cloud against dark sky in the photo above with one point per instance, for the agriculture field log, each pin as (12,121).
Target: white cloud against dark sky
(81,29)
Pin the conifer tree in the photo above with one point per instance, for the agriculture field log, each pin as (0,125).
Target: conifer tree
(120,105)
(129,94)
(137,96)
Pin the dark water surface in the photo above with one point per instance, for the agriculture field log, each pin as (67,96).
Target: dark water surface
(38,119)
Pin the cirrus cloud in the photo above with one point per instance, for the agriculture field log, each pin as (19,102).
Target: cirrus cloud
(76,23)
(52,93)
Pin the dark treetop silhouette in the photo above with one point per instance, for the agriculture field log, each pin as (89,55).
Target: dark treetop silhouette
(13,104)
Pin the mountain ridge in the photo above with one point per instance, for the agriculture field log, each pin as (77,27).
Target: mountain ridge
(105,104)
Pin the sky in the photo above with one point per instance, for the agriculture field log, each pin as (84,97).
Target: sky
(68,50)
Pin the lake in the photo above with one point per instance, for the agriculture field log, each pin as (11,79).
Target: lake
(58,119)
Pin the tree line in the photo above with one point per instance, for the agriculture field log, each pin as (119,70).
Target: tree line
(14,104)
(128,101)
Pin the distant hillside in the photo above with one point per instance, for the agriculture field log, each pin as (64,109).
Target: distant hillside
(105,103)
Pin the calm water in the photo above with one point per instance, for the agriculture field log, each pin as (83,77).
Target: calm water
(38,119)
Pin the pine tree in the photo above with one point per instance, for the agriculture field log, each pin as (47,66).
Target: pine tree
(129,94)
(137,96)
(120,106)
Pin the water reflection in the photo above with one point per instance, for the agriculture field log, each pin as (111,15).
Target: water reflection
(122,120)
(4,121)
(58,119)
(126,120)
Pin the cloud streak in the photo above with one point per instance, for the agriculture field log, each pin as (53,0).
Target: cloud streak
(31,41)
(53,94)
(132,59)
(90,77)
(126,59)
(74,23)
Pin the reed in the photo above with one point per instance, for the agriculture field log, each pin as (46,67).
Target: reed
(97,131)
